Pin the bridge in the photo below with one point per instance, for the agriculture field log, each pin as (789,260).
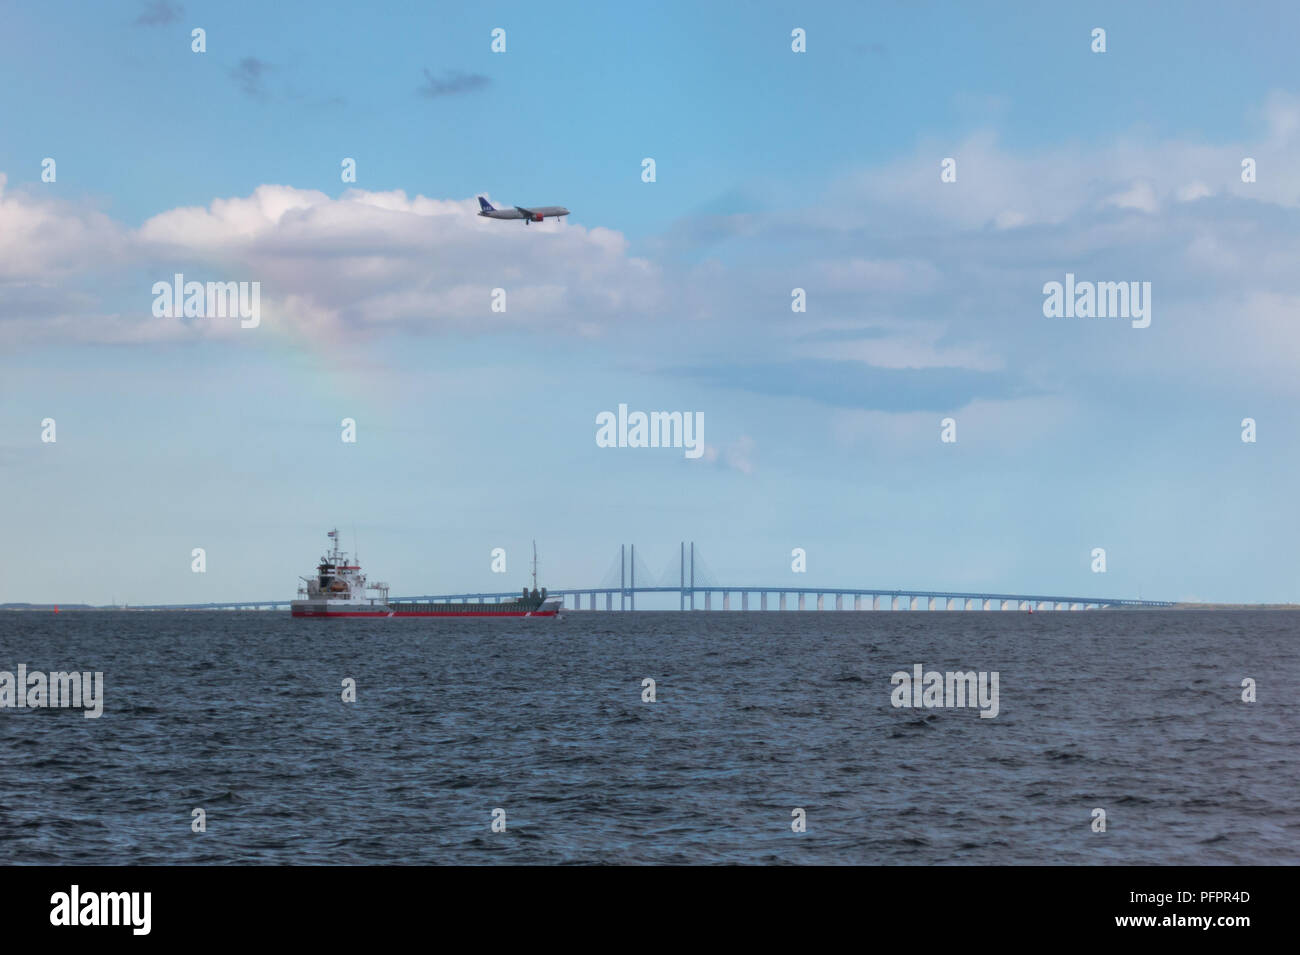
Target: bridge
(700,594)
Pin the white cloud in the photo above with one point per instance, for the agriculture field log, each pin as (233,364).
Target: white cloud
(997,188)
(959,287)
(1011,424)
(329,268)
(43,238)
(891,343)
(1193,191)
(738,455)
(1140,196)
(878,275)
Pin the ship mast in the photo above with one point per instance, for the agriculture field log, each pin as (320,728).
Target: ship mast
(534,565)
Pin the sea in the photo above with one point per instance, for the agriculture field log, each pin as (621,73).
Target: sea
(1120,737)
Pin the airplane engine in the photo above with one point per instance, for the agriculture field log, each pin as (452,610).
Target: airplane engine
(538,217)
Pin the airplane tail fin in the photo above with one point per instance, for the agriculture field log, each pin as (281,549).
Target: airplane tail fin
(484,205)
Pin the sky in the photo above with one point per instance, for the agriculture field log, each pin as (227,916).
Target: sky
(774,170)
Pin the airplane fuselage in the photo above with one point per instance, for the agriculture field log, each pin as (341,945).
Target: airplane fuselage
(528,214)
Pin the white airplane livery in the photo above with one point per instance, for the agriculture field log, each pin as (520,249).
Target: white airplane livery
(535,214)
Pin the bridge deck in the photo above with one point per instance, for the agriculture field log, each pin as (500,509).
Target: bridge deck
(686,592)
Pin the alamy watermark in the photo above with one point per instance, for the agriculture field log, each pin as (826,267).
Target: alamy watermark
(75,907)
(60,689)
(1098,300)
(951,689)
(182,299)
(658,429)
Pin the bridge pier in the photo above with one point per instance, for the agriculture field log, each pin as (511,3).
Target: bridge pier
(708,600)
(821,601)
(988,604)
(762,600)
(839,601)
(802,600)
(744,600)
(782,603)
(857,602)
(914,603)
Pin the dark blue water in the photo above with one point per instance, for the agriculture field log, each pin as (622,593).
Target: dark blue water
(1137,713)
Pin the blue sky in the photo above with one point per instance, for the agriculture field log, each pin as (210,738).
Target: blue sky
(775,171)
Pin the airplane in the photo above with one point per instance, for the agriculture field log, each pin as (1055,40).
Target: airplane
(536,214)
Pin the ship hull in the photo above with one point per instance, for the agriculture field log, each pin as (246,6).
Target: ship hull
(335,608)
(424,613)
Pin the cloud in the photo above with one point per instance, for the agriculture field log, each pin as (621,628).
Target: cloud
(1141,196)
(1011,425)
(330,269)
(1193,191)
(382,261)
(1000,189)
(922,296)
(43,240)
(250,76)
(1281,115)
(850,384)
(159,13)
(937,280)
(893,343)
(877,275)
(738,455)
(451,83)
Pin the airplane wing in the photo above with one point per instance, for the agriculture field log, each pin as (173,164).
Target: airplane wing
(528,212)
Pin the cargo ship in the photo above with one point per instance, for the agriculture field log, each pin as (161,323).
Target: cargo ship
(340,589)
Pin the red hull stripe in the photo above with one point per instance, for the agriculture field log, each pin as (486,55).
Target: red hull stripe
(474,613)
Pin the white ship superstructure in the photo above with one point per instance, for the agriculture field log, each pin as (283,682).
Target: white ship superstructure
(339,586)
